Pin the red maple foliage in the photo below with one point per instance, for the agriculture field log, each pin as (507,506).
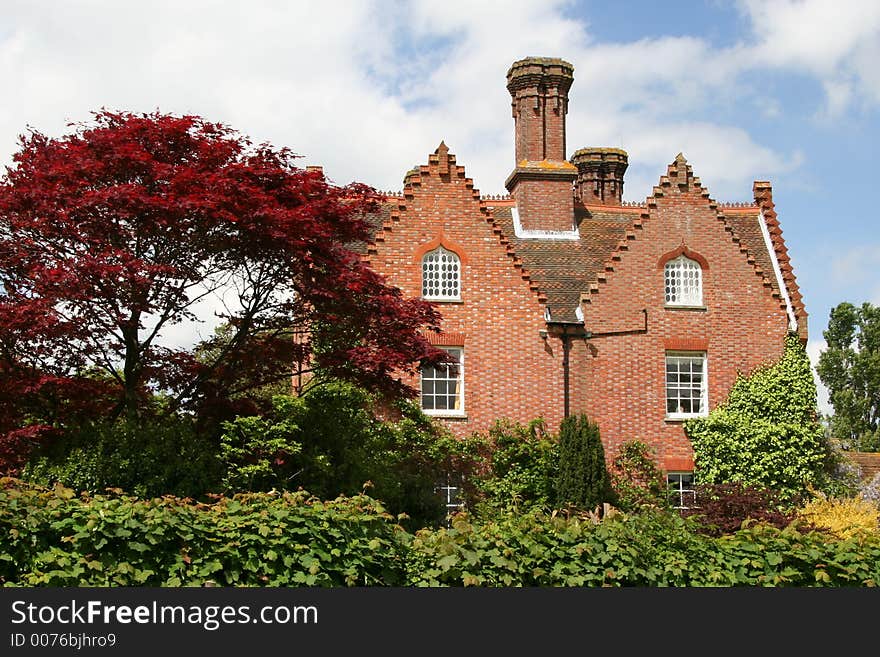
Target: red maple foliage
(111,235)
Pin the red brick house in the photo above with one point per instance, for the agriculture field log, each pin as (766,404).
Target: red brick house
(560,298)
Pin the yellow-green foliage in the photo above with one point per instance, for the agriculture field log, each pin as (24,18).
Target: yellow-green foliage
(765,435)
(845,518)
(53,537)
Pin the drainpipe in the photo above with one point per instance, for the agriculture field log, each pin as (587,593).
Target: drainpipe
(566,349)
(566,331)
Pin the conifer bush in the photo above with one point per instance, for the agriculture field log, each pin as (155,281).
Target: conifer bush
(583,480)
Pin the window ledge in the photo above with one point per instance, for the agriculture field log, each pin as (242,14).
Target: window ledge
(442,300)
(671,306)
(445,415)
(678,419)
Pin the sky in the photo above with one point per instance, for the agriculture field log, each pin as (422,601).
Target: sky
(780,90)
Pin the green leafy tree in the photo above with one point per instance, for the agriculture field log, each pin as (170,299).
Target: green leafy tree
(583,480)
(850,368)
(258,452)
(519,466)
(767,433)
(331,442)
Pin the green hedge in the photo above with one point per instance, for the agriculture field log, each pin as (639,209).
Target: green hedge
(51,537)
(651,549)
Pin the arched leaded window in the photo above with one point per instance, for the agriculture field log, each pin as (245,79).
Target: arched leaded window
(683,279)
(441,275)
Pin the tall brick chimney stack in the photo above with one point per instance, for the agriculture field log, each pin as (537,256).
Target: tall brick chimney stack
(542,181)
(600,175)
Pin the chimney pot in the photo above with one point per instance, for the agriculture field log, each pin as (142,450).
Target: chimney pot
(600,175)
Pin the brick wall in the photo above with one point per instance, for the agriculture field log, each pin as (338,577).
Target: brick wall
(620,379)
(510,371)
(538,89)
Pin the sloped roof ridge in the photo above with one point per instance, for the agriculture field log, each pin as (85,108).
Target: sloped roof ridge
(746,205)
(678,166)
(442,162)
(763,192)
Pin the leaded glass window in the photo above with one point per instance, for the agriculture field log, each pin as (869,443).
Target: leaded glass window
(683,282)
(441,275)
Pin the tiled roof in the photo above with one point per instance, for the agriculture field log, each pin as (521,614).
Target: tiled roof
(746,225)
(440,163)
(564,269)
(867,462)
(375,222)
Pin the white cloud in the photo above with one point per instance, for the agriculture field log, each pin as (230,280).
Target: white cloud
(856,265)
(368,89)
(837,42)
(723,157)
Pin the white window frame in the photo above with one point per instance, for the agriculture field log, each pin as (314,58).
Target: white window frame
(451,269)
(450,491)
(434,378)
(676,486)
(683,282)
(680,385)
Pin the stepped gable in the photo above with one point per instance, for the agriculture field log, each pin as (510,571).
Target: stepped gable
(441,163)
(680,174)
(566,272)
(570,271)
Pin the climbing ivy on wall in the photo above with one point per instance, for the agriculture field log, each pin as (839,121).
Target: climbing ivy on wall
(767,433)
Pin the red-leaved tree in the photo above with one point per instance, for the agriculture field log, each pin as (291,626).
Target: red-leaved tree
(111,235)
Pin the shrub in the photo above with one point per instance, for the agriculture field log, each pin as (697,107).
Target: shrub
(51,537)
(844,518)
(724,508)
(635,477)
(839,476)
(258,452)
(653,548)
(582,481)
(539,549)
(518,466)
(332,442)
(158,457)
(766,434)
